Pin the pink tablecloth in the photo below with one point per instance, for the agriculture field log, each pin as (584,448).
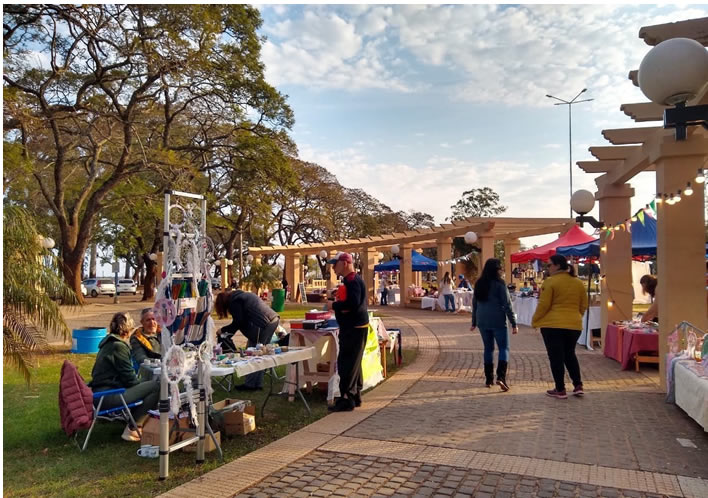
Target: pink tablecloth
(621,343)
(613,342)
(635,341)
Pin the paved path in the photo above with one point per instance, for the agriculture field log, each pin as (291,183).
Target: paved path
(433,429)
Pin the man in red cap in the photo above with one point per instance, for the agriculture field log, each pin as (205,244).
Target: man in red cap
(352,315)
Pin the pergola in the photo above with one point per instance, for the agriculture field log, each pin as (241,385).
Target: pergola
(488,230)
(681,291)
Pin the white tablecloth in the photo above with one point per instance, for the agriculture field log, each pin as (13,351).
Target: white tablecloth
(595,323)
(524,307)
(463,301)
(692,392)
(428,302)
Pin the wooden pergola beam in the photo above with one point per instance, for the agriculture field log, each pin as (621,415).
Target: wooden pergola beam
(613,152)
(626,136)
(536,231)
(644,111)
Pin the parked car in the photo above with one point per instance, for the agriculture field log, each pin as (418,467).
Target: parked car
(103,286)
(127,286)
(84,292)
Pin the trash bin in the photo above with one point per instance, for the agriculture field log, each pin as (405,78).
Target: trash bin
(278,303)
(86,340)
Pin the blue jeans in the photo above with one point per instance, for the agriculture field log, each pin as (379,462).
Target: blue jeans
(449,298)
(501,335)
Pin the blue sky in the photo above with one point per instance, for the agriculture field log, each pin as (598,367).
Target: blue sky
(418,103)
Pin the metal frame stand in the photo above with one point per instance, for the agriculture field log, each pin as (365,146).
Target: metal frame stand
(273,376)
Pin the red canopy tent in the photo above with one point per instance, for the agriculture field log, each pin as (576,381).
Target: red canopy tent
(572,237)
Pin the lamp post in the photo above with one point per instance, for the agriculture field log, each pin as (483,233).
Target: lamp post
(570,132)
(582,203)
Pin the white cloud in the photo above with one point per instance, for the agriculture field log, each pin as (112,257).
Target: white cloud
(552,146)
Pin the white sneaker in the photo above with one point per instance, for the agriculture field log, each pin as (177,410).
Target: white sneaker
(130,435)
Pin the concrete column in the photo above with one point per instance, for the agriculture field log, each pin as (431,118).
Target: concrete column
(368,257)
(510,247)
(376,288)
(293,272)
(680,251)
(444,253)
(486,244)
(160,269)
(224,274)
(615,256)
(405,277)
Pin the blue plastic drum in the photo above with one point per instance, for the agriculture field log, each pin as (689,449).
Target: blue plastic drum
(86,340)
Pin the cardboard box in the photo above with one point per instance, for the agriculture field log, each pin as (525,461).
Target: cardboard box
(151,431)
(296,324)
(208,443)
(237,422)
(318,315)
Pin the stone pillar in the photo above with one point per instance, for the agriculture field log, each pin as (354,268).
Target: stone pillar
(160,269)
(293,272)
(368,257)
(486,244)
(224,274)
(615,256)
(680,237)
(510,247)
(405,277)
(444,253)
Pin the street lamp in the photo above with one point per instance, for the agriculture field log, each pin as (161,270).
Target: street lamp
(672,73)
(582,203)
(570,132)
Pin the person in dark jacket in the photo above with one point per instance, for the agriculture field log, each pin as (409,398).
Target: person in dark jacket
(491,307)
(114,369)
(352,316)
(145,341)
(254,319)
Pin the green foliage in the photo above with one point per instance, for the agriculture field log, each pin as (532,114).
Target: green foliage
(29,285)
(476,203)
(262,276)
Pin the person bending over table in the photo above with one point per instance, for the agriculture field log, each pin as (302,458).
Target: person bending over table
(352,315)
(561,305)
(648,283)
(113,369)
(145,341)
(254,319)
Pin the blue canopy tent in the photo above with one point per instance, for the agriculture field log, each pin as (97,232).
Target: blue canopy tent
(643,241)
(420,263)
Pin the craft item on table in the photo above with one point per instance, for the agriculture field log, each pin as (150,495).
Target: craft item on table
(176,369)
(165,312)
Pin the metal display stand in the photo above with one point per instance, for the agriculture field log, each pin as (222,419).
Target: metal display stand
(172,260)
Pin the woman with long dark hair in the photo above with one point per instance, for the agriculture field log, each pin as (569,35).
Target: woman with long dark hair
(491,307)
(648,283)
(559,315)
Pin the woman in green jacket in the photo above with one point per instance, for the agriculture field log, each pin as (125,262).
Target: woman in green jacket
(114,369)
(559,315)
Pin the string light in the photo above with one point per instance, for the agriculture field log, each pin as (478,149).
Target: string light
(659,198)
(610,303)
(700,177)
(678,196)
(689,190)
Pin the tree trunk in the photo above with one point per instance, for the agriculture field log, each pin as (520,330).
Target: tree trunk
(92,263)
(71,269)
(150,278)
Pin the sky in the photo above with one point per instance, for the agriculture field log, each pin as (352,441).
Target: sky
(417,103)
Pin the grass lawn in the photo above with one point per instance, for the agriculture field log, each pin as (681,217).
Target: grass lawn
(40,460)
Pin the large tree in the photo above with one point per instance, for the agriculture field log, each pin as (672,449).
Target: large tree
(477,202)
(125,89)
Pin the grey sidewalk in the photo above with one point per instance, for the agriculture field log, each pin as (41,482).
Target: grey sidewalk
(433,429)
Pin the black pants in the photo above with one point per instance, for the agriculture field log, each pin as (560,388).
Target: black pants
(148,391)
(384,297)
(560,345)
(264,336)
(352,342)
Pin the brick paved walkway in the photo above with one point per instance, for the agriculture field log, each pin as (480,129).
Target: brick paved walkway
(433,429)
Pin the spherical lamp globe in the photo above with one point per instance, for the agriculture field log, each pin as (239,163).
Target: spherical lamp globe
(674,71)
(470,238)
(323,254)
(582,201)
(395,249)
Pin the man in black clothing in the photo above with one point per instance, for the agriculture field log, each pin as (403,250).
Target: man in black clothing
(253,318)
(352,315)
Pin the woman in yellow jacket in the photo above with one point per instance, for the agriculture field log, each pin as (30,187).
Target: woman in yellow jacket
(559,315)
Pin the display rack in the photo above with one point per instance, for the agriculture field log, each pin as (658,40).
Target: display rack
(185,270)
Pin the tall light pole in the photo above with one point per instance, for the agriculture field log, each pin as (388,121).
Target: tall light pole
(570,133)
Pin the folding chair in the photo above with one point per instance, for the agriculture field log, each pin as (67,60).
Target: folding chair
(117,414)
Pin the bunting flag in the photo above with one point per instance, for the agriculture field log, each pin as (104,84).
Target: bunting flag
(652,205)
(640,215)
(629,227)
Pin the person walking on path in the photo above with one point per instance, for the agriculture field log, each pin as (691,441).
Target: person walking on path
(446,291)
(352,315)
(491,307)
(559,314)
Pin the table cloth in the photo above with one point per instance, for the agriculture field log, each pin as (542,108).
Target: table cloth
(691,389)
